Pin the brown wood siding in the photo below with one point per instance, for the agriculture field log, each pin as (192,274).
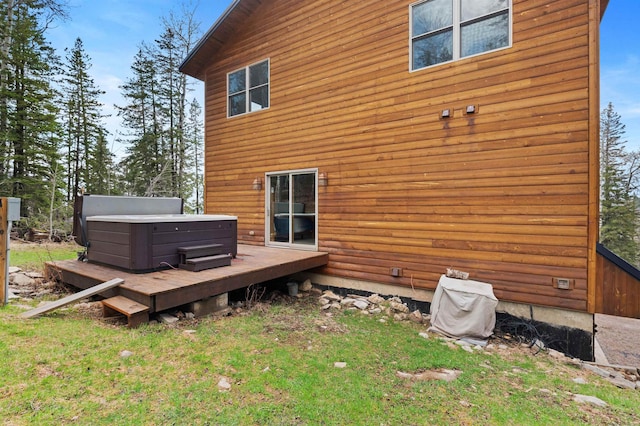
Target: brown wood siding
(619,292)
(503,194)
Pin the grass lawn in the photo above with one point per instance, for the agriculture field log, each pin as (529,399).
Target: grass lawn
(31,256)
(67,367)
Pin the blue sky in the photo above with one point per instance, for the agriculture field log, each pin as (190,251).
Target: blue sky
(111,31)
(620,65)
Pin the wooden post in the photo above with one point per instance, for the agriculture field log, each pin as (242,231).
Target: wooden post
(594,156)
(4,264)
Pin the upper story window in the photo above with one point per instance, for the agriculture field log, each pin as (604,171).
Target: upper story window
(248,89)
(447,30)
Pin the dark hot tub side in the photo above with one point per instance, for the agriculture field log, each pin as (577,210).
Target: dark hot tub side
(141,234)
(142,243)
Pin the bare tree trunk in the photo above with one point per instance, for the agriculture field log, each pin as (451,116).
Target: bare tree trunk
(54,178)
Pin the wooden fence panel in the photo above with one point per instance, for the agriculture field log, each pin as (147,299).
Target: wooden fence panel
(619,286)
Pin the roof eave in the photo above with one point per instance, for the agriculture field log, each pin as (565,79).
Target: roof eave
(603,7)
(189,65)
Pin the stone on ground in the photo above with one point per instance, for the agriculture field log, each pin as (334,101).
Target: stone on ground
(224,385)
(588,399)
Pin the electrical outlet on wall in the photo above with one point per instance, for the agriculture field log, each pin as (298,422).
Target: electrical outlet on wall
(396,272)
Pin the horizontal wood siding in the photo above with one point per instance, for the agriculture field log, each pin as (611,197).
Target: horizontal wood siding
(502,194)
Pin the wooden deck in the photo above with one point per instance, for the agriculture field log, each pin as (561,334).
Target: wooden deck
(170,288)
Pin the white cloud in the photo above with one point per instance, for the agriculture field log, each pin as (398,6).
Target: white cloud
(620,85)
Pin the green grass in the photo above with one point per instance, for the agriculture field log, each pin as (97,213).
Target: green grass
(65,368)
(33,255)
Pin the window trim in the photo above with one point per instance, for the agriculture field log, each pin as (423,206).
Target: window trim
(247,89)
(267,210)
(457,30)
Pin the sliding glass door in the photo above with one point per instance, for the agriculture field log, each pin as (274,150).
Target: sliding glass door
(291,209)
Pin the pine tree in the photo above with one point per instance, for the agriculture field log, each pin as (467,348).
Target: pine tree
(194,141)
(29,132)
(157,161)
(165,56)
(104,179)
(84,127)
(145,162)
(11,14)
(618,212)
(174,45)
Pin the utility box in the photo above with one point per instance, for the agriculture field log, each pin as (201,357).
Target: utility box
(9,213)
(13,209)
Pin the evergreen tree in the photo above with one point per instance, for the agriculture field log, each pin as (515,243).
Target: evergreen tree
(157,161)
(618,212)
(145,162)
(11,14)
(194,140)
(84,127)
(29,132)
(177,40)
(104,179)
(166,57)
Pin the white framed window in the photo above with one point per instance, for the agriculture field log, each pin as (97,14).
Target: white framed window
(448,30)
(248,89)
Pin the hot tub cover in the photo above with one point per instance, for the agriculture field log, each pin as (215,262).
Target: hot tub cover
(463,308)
(97,205)
(159,218)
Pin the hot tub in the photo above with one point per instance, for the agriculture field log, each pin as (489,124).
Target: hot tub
(141,243)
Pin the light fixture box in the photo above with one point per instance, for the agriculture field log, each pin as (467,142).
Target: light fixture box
(257,184)
(563,283)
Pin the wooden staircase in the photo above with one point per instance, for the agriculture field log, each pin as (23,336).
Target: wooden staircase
(199,258)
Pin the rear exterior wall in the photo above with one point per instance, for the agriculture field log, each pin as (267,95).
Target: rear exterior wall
(503,193)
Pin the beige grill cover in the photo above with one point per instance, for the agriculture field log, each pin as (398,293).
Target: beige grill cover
(463,308)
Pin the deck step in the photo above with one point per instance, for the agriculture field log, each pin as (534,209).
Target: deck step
(206,262)
(192,252)
(136,313)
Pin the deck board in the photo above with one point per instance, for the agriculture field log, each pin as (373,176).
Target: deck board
(170,288)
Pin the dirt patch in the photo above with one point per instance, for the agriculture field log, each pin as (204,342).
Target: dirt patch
(437,374)
(90,309)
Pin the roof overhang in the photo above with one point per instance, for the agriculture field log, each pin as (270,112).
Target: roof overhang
(603,7)
(221,31)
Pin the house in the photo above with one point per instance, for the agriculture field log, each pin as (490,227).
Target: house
(404,137)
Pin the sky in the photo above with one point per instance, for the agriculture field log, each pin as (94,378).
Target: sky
(620,65)
(111,33)
(112,30)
